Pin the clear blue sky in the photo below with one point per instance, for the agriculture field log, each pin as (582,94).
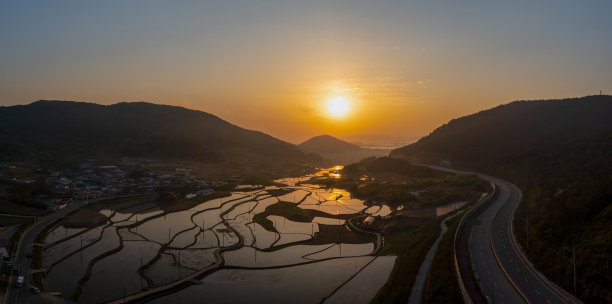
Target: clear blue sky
(270,65)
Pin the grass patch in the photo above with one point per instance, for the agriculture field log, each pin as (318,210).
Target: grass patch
(87,275)
(10,221)
(9,207)
(142,270)
(285,209)
(4,281)
(37,279)
(279,192)
(443,286)
(37,258)
(290,211)
(27,222)
(264,222)
(190,203)
(37,252)
(85,219)
(258,180)
(119,202)
(410,246)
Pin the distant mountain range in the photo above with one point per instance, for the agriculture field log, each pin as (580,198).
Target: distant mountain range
(62,131)
(381,141)
(488,137)
(337,150)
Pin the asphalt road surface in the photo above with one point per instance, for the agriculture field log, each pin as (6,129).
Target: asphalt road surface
(504,273)
(23,263)
(495,232)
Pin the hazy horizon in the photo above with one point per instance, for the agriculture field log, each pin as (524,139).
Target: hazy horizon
(405,68)
(180,151)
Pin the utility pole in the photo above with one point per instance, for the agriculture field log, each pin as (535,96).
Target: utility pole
(574,261)
(339,243)
(141,270)
(527,231)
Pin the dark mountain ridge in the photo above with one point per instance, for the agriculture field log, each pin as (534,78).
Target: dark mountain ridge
(66,129)
(486,137)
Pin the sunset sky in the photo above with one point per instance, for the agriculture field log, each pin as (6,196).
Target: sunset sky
(404,67)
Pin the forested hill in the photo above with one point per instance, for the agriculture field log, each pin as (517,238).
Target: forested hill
(337,150)
(567,202)
(487,137)
(559,152)
(63,130)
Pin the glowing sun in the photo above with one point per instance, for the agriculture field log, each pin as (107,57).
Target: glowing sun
(338,106)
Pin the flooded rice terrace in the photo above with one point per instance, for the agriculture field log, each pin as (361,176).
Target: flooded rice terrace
(224,250)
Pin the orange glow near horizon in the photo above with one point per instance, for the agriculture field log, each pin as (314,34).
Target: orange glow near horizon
(404,69)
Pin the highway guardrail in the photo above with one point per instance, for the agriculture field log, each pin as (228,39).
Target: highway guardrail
(464,293)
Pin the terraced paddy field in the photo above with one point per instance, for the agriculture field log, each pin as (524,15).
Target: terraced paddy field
(252,245)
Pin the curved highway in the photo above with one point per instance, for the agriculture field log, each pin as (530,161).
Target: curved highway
(23,263)
(527,283)
(504,273)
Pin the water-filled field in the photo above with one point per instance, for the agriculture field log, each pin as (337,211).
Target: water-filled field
(143,246)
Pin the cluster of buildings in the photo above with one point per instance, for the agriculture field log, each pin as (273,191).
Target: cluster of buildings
(89,182)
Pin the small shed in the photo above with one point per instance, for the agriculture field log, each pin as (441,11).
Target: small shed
(205,192)
(368,221)
(4,253)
